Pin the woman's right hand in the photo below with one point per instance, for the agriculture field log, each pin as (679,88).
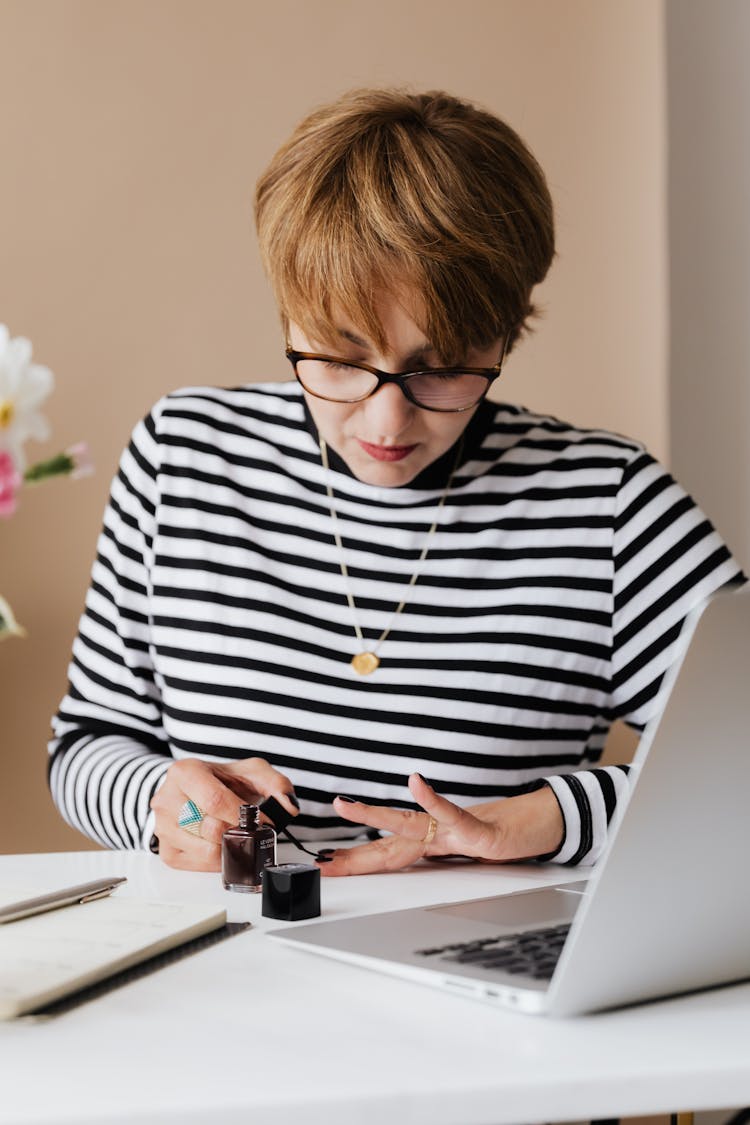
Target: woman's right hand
(218,789)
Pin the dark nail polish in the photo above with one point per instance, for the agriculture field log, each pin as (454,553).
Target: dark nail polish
(349,800)
(153,845)
(320,858)
(326,851)
(294,800)
(246,850)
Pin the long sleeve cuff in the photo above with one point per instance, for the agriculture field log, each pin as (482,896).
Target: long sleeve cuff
(103,785)
(587,800)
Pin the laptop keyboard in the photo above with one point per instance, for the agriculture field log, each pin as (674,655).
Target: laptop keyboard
(532,953)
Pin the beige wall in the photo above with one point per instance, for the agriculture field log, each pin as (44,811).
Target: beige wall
(709,278)
(132,132)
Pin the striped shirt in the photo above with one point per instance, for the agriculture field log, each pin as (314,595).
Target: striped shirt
(217,623)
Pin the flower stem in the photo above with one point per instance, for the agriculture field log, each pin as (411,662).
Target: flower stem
(60,465)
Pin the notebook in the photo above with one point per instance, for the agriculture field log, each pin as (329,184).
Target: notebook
(52,955)
(666,909)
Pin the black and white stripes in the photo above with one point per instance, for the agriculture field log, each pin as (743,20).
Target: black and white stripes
(217,625)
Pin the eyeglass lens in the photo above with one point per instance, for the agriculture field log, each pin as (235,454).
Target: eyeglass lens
(341,382)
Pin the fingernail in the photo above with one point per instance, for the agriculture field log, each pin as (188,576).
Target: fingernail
(326,851)
(349,800)
(294,800)
(320,858)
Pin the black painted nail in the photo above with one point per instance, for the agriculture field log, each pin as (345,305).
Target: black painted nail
(320,858)
(294,800)
(326,851)
(349,800)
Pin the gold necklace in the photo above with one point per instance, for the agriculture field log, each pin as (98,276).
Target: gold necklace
(366,661)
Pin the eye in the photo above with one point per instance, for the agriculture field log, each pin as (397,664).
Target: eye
(338,365)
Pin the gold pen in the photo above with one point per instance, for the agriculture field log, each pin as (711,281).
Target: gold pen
(66,896)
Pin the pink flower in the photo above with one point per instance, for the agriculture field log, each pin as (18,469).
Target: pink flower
(83,466)
(10,482)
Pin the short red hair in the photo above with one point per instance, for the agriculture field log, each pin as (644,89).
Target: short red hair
(384,190)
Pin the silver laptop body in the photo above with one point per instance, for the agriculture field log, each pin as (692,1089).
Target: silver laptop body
(667,908)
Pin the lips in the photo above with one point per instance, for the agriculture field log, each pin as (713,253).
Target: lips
(386,452)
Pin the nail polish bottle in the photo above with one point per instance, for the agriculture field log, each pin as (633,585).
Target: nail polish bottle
(246,850)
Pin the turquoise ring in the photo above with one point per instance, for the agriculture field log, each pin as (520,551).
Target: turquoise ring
(190,817)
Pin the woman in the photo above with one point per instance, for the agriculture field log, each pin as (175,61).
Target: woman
(319,589)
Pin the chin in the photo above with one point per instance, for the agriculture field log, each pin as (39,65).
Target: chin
(384,476)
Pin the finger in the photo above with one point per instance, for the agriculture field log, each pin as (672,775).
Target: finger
(196,855)
(212,830)
(466,832)
(258,778)
(167,826)
(390,854)
(411,823)
(201,783)
(167,805)
(172,835)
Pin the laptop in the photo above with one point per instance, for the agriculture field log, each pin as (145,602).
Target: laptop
(667,907)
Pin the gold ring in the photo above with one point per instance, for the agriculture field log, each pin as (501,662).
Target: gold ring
(429,836)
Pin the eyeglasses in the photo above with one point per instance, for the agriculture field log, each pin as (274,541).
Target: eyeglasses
(447,390)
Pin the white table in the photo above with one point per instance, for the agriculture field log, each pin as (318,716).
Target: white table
(259,1031)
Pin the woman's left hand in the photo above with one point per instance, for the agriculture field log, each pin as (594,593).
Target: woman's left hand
(513,828)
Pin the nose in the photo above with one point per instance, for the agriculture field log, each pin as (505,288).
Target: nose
(389,412)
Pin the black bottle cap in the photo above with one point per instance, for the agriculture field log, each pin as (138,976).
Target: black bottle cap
(291,891)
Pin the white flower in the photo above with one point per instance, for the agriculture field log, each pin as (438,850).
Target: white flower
(23,388)
(9,627)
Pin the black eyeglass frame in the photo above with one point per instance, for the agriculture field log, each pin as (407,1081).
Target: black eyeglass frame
(400,378)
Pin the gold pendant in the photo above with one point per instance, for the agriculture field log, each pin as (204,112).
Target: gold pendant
(364,663)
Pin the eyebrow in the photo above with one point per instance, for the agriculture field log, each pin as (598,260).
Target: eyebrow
(413,357)
(350,336)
